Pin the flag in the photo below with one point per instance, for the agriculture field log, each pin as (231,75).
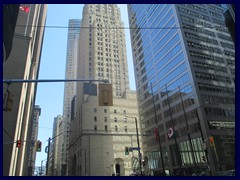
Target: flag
(24,8)
(170,132)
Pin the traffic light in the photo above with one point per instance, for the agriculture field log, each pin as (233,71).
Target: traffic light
(211,141)
(126,151)
(39,146)
(203,158)
(18,143)
(105,95)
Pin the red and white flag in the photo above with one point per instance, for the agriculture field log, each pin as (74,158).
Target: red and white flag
(170,132)
(24,8)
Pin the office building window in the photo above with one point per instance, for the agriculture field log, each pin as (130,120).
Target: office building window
(105,119)
(95,118)
(95,127)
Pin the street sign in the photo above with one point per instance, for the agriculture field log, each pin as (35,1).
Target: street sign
(136,148)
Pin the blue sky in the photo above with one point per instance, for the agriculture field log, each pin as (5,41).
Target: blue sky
(52,66)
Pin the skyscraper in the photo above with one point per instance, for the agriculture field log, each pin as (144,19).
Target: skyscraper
(99,134)
(69,90)
(55,170)
(33,141)
(23,63)
(185,55)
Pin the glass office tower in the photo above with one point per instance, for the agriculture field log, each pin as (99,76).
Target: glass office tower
(184,62)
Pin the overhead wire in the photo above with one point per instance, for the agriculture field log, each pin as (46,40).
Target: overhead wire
(102,27)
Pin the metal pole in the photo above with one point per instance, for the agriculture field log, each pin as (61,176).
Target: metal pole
(205,150)
(179,159)
(159,141)
(139,153)
(49,139)
(188,132)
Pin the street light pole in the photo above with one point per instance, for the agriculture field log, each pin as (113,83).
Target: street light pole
(139,153)
(49,139)
(203,141)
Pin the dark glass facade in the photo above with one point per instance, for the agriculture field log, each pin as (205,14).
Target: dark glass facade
(184,57)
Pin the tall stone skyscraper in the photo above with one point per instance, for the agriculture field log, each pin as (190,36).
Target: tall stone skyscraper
(99,134)
(69,92)
(23,63)
(186,54)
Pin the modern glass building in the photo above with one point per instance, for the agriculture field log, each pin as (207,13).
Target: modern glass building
(184,60)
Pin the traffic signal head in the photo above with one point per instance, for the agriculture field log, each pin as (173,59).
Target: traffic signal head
(126,151)
(18,143)
(211,141)
(39,146)
(8,101)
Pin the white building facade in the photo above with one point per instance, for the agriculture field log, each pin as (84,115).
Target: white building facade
(101,133)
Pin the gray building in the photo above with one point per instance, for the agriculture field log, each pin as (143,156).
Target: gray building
(22,63)
(186,54)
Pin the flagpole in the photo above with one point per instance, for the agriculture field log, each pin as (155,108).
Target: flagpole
(188,131)
(179,159)
(157,133)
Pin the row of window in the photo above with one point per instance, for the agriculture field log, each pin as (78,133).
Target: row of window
(105,111)
(206,56)
(200,38)
(207,66)
(219,112)
(179,120)
(198,22)
(178,107)
(214,88)
(106,128)
(193,13)
(177,95)
(203,47)
(177,71)
(213,77)
(195,7)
